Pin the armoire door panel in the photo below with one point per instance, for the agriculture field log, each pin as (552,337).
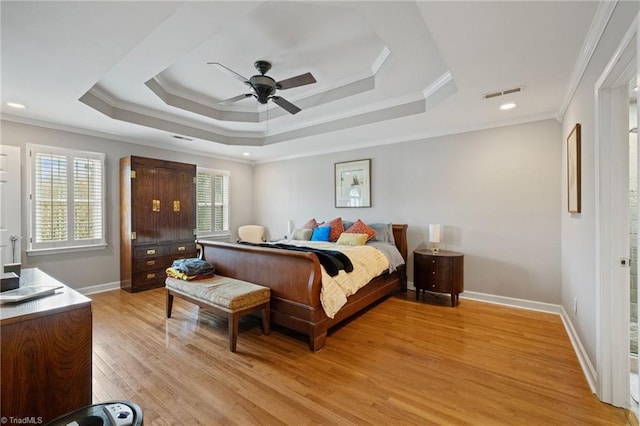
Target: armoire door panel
(166,189)
(185,213)
(143,194)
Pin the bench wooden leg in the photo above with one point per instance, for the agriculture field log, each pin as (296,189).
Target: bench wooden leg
(233,331)
(169,303)
(266,318)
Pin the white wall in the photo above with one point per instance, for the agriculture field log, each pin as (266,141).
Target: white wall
(579,230)
(91,268)
(497,193)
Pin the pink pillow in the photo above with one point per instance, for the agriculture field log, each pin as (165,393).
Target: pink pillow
(336,229)
(361,228)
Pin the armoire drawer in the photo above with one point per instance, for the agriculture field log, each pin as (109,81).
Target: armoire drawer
(180,249)
(154,278)
(152,251)
(148,263)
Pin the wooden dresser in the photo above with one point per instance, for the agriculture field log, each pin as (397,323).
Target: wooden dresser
(441,272)
(46,353)
(157,219)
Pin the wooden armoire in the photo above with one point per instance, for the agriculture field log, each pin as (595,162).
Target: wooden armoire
(157,219)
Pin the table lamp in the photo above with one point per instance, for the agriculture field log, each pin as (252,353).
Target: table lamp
(434,238)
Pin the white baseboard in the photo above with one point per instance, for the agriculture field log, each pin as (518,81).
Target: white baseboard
(587,367)
(99,288)
(583,358)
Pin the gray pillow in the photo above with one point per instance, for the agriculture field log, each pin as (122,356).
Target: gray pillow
(303,234)
(384,232)
(347,224)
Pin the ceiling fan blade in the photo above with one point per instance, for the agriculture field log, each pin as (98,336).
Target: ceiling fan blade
(231,72)
(299,80)
(235,98)
(283,103)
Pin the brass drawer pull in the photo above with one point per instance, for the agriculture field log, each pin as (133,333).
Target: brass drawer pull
(151,275)
(155,205)
(182,248)
(151,251)
(176,205)
(151,262)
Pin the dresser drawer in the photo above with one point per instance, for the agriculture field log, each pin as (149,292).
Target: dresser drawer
(168,260)
(152,251)
(148,279)
(148,263)
(181,249)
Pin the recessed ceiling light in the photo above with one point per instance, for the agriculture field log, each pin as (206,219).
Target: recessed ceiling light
(16,105)
(246,154)
(507,106)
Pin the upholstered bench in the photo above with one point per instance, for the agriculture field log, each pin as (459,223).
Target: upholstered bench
(224,296)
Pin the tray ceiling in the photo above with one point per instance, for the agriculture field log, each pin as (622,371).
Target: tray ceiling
(385,71)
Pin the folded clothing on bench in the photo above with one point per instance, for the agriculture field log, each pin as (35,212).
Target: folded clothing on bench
(190,269)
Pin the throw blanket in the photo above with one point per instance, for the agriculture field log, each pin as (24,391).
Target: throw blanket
(333,261)
(368,262)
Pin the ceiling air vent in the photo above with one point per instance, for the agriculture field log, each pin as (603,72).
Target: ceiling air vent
(502,93)
(182,138)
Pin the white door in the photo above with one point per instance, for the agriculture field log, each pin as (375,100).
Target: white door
(10,205)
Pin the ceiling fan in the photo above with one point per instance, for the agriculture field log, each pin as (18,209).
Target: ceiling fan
(264,87)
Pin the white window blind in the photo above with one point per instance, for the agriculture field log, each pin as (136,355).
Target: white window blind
(212,191)
(67,209)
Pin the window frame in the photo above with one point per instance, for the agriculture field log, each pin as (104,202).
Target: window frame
(225,232)
(71,244)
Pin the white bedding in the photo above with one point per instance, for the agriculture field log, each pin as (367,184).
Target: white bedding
(368,262)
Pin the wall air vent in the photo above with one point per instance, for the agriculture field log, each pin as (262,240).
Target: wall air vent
(502,93)
(182,138)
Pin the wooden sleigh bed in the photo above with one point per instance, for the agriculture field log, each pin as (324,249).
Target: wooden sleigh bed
(295,282)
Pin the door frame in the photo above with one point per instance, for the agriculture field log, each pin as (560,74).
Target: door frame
(612,109)
(11,197)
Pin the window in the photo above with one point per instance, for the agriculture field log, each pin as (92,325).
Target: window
(66,201)
(213,202)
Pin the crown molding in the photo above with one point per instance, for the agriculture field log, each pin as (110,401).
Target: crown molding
(110,136)
(411,138)
(598,24)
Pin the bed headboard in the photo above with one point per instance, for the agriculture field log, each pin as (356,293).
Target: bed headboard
(400,236)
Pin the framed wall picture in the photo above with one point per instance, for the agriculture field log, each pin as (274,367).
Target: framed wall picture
(353,183)
(573,170)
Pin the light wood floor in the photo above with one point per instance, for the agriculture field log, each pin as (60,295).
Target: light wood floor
(401,362)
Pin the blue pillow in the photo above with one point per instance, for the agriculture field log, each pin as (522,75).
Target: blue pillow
(321,233)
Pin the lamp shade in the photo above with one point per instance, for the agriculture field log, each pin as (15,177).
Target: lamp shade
(434,233)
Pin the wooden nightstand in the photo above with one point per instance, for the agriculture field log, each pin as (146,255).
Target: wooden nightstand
(441,272)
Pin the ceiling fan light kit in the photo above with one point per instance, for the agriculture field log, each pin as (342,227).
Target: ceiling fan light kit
(264,87)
